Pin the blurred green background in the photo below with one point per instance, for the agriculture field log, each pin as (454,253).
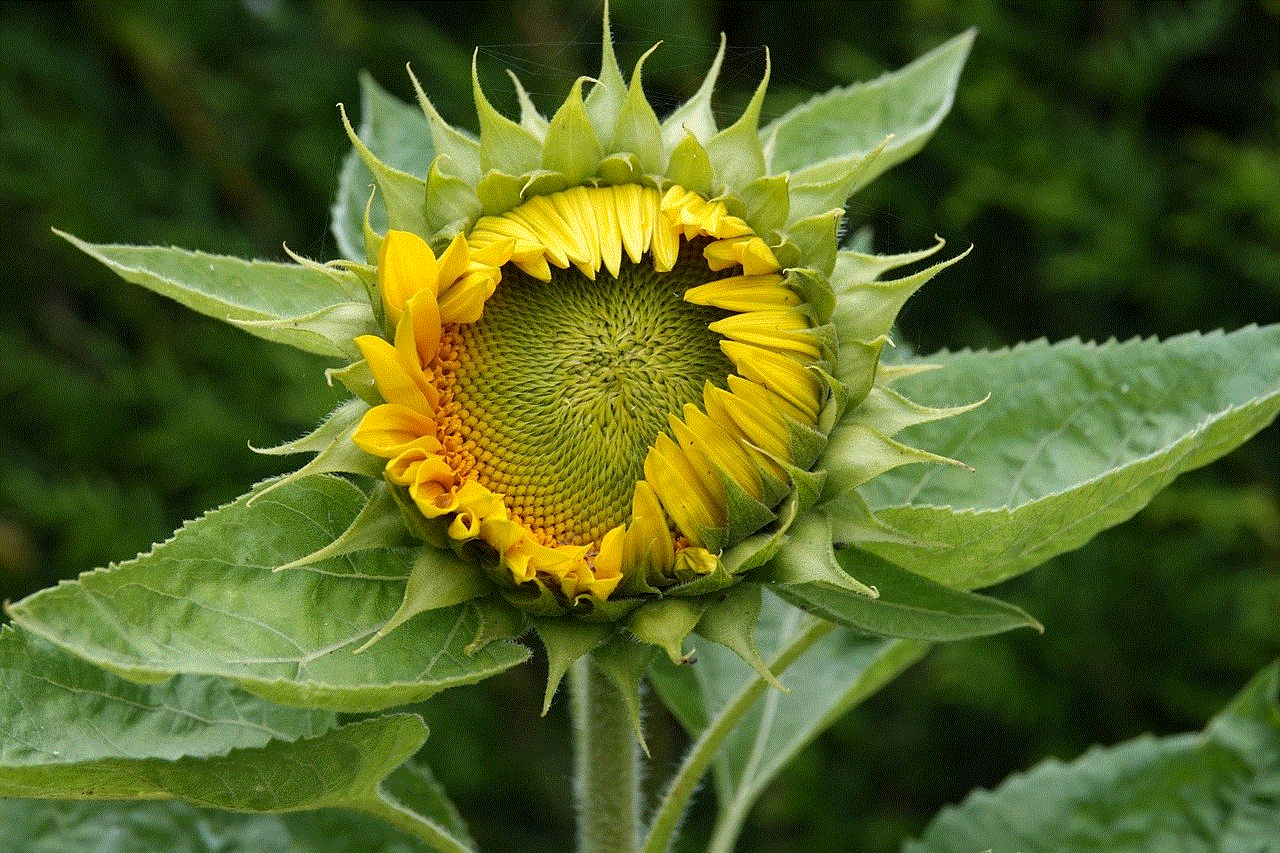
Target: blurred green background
(1117,166)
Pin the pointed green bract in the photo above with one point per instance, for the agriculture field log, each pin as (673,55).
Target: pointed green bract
(1075,439)
(236,290)
(908,607)
(565,641)
(695,117)
(638,131)
(288,636)
(505,146)
(735,152)
(731,622)
(807,557)
(403,196)
(395,134)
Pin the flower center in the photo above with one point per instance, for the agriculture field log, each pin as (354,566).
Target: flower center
(557,393)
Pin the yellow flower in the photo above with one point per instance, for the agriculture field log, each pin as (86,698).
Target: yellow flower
(577,383)
(618,374)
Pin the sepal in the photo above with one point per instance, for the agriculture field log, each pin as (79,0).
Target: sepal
(358,379)
(380,524)
(856,454)
(690,167)
(695,117)
(461,150)
(438,580)
(888,412)
(566,640)
(604,102)
(735,152)
(821,188)
(665,623)
(866,309)
(495,620)
(806,556)
(571,148)
(505,146)
(331,330)
(338,422)
(403,195)
(530,119)
(730,620)
(638,131)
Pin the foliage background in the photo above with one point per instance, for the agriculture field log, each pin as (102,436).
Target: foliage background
(1114,163)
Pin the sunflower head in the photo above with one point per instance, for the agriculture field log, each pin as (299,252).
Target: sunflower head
(615,388)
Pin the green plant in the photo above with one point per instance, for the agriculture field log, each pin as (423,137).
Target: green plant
(204,674)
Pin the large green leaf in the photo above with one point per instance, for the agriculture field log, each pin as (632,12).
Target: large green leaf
(68,729)
(837,671)
(1217,792)
(207,602)
(168,826)
(398,134)
(908,607)
(827,136)
(1075,439)
(313,308)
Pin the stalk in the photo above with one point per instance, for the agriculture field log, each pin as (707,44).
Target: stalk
(607,769)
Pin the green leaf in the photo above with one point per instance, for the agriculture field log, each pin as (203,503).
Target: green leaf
(340,767)
(1075,439)
(838,670)
(262,295)
(412,785)
(68,729)
(398,134)
(909,606)
(45,826)
(1205,793)
(829,135)
(208,602)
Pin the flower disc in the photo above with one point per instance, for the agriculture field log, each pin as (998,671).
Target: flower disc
(602,385)
(556,394)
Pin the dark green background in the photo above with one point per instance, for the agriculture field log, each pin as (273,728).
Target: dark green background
(1115,164)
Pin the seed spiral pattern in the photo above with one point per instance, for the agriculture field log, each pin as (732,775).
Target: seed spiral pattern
(559,390)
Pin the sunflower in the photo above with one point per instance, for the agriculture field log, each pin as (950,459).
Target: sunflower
(624,375)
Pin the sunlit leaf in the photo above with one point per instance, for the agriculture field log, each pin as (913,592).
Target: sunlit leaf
(1075,439)
(207,602)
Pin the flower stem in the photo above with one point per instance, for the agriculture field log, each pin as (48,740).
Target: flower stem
(666,821)
(606,764)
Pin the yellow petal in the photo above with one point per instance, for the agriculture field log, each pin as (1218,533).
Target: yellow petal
(751,253)
(388,430)
(777,329)
(744,293)
(790,379)
(397,381)
(649,544)
(719,447)
(406,266)
(691,509)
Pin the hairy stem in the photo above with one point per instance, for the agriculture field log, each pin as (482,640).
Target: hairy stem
(606,764)
(666,822)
